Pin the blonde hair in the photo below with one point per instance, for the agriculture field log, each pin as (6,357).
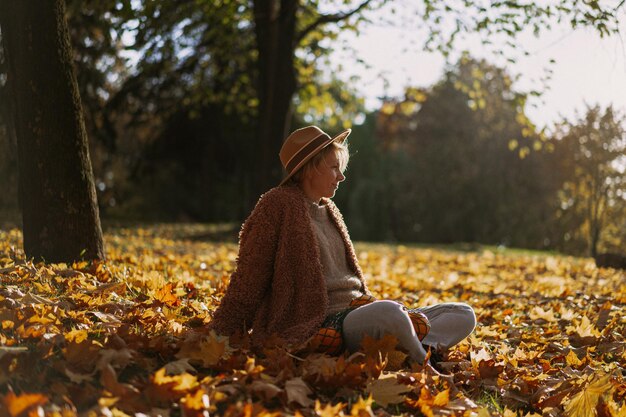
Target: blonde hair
(343,156)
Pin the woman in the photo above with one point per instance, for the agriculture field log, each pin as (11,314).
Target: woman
(297,271)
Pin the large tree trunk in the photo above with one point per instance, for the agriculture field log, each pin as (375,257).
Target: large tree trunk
(275,24)
(57,194)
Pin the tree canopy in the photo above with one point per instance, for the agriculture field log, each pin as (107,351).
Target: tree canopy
(173,105)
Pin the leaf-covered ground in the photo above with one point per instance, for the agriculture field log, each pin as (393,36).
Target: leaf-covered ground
(127,337)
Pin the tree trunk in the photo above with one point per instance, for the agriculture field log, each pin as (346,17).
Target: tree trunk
(276,39)
(56,187)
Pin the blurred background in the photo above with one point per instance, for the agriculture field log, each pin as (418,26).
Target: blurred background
(495,125)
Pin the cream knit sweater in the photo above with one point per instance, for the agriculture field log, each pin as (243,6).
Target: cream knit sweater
(342,285)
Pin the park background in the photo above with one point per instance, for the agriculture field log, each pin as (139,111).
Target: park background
(463,141)
(184,105)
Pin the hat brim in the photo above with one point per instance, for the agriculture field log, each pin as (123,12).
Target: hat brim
(341,137)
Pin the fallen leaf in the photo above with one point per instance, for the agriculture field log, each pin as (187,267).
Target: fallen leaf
(298,391)
(198,401)
(167,296)
(584,329)
(206,350)
(329,410)
(584,403)
(18,405)
(108,379)
(386,390)
(178,367)
(442,398)
(266,390)
(362,408)
(572,359)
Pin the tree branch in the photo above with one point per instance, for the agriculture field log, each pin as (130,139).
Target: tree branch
(330,18)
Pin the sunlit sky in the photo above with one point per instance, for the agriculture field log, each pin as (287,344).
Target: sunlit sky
(588,69)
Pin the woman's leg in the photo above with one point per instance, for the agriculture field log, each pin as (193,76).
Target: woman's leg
(376,320)
(449,324)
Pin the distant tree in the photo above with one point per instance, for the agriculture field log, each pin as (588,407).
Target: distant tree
(56,188)
(593,197)
(461,165)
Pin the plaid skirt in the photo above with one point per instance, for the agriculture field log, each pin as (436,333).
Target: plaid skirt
(329,338)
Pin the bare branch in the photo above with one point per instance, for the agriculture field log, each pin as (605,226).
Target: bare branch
(330,18)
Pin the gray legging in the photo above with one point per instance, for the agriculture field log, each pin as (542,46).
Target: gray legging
(449,324)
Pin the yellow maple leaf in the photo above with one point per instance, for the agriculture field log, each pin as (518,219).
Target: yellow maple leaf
(362,408)
(442,398)
(196,402)
(572,359)
(178,383)
(584,329)
(76,336)
(584,403)
(618,411)
(539,313)
(207,350)
(329,410)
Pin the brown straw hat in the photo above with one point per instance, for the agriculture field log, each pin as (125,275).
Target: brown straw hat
(302,145)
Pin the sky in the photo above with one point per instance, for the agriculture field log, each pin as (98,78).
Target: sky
(588,69)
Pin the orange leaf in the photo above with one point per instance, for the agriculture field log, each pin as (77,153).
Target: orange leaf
(166,295)
(198,401)
(371,346)
(18,405)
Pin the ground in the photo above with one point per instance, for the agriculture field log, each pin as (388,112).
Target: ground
(128,336)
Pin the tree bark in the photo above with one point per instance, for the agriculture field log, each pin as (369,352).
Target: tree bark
(56,187)
(275,29)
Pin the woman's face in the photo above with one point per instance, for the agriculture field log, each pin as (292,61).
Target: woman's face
(324,180)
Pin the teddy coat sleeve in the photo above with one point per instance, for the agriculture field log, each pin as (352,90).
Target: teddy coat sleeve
(252,278)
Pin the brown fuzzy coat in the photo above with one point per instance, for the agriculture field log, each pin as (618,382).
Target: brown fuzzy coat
(278,287)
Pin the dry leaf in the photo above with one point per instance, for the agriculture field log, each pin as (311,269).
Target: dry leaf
(208,350)
(94,329)
(265,390)
(386,390)
(362,408)
(18,405)
(167,296)
(584,403)
(178,367)
(298,391)
(329,410)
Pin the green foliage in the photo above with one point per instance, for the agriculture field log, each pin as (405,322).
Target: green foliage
(446,170)
(449,20)
(593,196)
